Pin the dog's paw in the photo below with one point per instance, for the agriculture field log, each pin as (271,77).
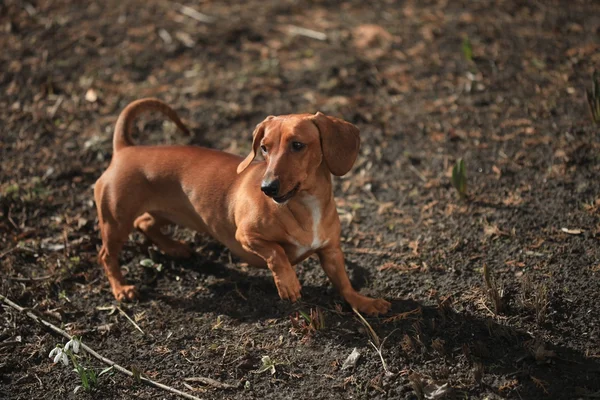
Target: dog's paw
(177,250)
(288,286)
(371,306)
(125,293)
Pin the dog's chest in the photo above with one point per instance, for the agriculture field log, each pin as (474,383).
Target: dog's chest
(314,240)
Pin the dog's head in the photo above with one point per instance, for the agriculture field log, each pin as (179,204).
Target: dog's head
(295,146)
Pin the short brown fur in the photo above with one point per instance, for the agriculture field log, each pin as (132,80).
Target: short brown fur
(147,187)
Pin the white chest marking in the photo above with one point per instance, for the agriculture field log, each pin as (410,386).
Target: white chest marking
(315,211)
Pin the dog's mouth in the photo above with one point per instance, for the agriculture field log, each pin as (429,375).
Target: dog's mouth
(287,196)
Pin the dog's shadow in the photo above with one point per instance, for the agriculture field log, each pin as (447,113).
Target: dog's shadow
(211,283)
(413,332)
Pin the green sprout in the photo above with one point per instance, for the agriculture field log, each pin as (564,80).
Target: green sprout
(268,364)
(316,319)
(467,49)
(593,97)
(148,263)
(459,178)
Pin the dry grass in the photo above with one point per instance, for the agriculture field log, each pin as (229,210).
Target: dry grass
(593,97)
(417,312)
(540,384)
(494,294)
(534,297)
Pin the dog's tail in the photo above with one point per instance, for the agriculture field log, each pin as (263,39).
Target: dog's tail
(122,137)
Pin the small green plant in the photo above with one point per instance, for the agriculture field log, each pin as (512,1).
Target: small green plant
(74,261)
(148,263)
(136,374)
(315,319)
(268,364)
(69,353)
(218,324)
(593,97)
(34,190)
(467,49)
(10,190)
(459,178)
(306,324)
(62,295)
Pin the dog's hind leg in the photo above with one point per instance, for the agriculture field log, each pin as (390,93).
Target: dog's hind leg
(114,234)
(150,225)
(112,242)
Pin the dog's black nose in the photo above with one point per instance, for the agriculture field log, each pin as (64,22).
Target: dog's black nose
(270,188)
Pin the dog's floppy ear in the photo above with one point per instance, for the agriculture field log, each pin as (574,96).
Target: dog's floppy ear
(340,141)
(257,136)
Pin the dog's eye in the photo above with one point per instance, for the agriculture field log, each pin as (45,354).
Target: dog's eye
(263,148)
(297,146)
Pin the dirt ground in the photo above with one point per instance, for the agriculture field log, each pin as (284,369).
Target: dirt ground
(500,84)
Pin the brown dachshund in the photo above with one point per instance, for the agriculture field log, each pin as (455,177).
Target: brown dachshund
(272,213)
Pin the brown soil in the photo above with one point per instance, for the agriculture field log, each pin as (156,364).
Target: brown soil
(516,113)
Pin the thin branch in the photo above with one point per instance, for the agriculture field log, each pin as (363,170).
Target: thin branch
(130,320)
(56,106)
(94,353)
(418,173)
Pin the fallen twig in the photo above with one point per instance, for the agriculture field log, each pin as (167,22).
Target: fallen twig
(197,15)
(372,334)
(418,173)
(94,353)
(56,106)
(130,320)
(375,341)
(35,278)
(296,30)
(6,252)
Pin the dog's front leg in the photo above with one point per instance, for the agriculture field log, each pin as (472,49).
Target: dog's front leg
(332,261)
(284,275)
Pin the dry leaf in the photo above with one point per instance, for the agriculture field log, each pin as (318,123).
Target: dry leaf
(492,230)
(352,359)
(414,246)
(497,171)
